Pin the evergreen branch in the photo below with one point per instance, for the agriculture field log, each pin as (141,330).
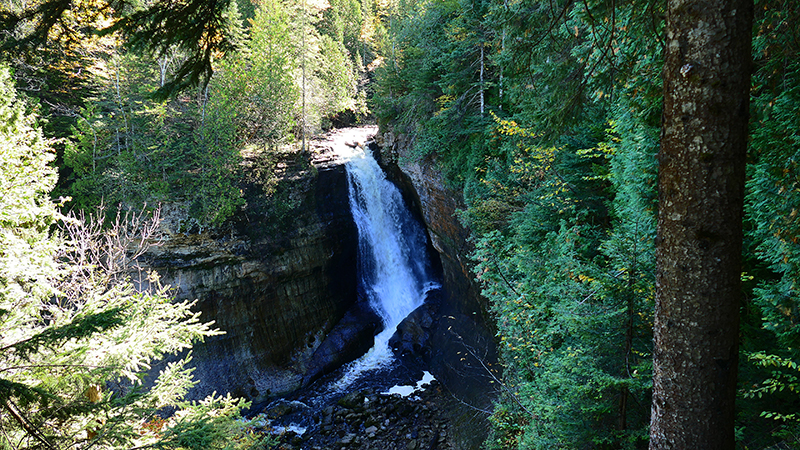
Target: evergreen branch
(81,327)
(22,391)
(610,38)
(32,366)
(199,26)
(547,33)
(26,425)
(51,13)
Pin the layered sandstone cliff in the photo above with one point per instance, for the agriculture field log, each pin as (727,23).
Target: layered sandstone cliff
(281,286)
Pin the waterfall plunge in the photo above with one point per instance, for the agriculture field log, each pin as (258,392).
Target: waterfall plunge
(393,265)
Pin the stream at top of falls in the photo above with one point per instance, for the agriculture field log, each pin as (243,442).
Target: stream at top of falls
(394,270)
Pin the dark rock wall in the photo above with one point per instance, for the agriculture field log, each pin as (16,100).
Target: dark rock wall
(461,349)
(277,295)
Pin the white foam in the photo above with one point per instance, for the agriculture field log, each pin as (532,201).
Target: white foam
(402,391)
(405,391)
(296,429)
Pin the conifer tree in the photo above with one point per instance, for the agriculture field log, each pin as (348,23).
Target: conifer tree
(201,28)
(769,324)
(698,251)
(77,337)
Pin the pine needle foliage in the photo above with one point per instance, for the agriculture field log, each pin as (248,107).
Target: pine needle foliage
(200,28)
(559,179)
(768,371)
(77,335)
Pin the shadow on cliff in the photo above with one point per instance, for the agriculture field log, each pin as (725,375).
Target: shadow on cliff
(453,331)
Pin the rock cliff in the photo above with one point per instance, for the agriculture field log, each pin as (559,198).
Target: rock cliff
(460,347)
(281,282)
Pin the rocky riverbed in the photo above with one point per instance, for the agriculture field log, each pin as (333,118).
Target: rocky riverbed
(399,409)
(370,420)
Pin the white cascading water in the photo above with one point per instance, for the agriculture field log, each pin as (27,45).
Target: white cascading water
(393,264)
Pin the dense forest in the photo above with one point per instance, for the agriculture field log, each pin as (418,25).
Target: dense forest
(109,109)
(547,116)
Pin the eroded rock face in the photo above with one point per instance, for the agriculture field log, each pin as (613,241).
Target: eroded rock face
(439,204)
(277,292)
(459,344)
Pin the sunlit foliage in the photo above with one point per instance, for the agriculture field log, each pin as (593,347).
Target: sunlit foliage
(77,337)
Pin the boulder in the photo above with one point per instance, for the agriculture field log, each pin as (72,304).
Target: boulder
(414,332)
(352,336)
(352,400)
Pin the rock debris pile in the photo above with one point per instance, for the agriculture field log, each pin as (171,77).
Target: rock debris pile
(367,420)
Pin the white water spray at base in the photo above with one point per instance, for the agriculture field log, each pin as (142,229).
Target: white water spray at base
(394,270)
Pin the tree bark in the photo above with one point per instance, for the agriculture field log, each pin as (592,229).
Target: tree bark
(698,247)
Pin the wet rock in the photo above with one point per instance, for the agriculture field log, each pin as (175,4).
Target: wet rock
(327,415)
(278,410)
(359,421)
(414,332)
(352,400)
(347,439)
(350,338)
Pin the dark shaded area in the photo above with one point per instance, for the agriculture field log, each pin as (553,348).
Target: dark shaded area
(346,342)
(285,295)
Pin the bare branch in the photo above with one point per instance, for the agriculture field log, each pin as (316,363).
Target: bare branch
(29,427)
(488,370)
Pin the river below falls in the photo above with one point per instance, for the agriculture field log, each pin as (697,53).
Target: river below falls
(399,407)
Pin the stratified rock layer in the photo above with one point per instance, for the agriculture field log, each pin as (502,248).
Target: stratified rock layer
(277,286)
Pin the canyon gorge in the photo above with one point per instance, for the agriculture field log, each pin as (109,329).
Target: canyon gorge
(286,290)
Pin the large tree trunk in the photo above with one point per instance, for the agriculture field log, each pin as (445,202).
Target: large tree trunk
(701,191)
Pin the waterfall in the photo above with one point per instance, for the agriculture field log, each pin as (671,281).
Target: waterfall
(393,265)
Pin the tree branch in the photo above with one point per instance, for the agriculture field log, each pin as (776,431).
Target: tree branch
(9,406)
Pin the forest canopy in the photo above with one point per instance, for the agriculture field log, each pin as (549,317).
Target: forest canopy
(547,115)
(150,102)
